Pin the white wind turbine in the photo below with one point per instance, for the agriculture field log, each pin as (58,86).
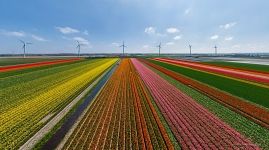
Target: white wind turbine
(24,46)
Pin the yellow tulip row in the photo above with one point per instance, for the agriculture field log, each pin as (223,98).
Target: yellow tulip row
(19,123)
(38,81)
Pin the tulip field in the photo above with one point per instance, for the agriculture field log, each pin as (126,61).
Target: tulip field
(145,103)
(121,117)
(242,74)
(28,100)
(35,64)
(242,66)
(17,61)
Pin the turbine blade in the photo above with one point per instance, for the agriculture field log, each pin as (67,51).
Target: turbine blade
(22,41)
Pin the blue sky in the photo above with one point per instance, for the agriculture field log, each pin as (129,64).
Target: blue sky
(53,26)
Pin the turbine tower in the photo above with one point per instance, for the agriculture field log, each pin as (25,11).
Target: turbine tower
(190,48)
(123,46)
(24,46)
(216,48)
(159,46)
(78,47)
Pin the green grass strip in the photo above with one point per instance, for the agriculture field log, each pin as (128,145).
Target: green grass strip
(249,129)
(247,91)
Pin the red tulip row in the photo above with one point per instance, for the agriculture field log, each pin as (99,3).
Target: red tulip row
(235,73)
(38,64)
(121,117)
(194,126)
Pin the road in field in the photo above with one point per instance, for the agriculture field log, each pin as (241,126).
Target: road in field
(121,117)
(241,74)
(194,126)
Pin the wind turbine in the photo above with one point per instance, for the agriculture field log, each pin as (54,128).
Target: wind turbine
(123,46)
(24,46)
(216,48)
(159,46)
(78,47)
(190,48)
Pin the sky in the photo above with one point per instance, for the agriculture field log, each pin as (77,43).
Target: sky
(54,26)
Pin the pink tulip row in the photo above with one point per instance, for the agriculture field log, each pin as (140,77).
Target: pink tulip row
(194,126)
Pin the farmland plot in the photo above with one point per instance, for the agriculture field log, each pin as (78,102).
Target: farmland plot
(36,64)
(16,61)
(237,65)
(39,96)
(258,94)
(245,108)
(246,127)
(194,126)
(258,77)
(121,117)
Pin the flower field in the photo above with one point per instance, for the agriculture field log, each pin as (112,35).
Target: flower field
(246,91)
(194,126)
(15,61)
(240,66)
(240,74)
(36,64)
(141,104)
(121,117)
(253,112)
(246,127)
(39,95)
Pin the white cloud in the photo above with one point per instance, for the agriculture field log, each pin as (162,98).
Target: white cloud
(86,32)
(145,46)
(115,44)
(153,31)
(229,38)
(38,38)
(13,33)
(178,37)
(170,43)
(20,34)
(172,30)
(81,40)
(228,25)
(236,46)
(214,37)
(67,30)
(150,30)
(187,11)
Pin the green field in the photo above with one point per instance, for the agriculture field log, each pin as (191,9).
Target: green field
(28,100)
(255,67)
(250,92)
(246,127)
(16,61)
